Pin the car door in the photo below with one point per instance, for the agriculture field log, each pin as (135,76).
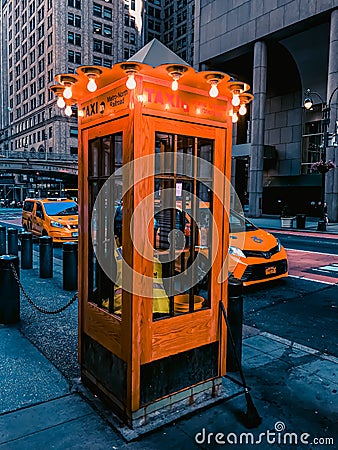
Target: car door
(39,219)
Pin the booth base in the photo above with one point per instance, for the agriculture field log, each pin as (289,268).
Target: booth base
(167,410)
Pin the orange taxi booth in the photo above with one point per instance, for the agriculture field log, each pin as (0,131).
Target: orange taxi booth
(154,160)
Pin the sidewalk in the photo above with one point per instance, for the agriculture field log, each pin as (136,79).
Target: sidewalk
(274,223)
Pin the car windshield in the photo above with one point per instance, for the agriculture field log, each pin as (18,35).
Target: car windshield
(240,224)
(61,208)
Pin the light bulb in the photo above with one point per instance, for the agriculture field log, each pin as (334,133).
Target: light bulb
(235,100)
(234,118)
(67,93)
(308,103)
(68,111)
(213,90)
(131,83)
(61,103)
(242,110)
(91,86)
(174,85)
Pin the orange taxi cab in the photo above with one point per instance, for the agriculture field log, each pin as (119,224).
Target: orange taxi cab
(55,217)
(255,255)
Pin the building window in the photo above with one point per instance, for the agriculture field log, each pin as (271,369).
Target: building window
(41,82)
(132,39)
(41,31)
(41,48)
(71,37)
(97,46)
(97,27)
(50,57)
(74,20)
(50,39)
(74,4)
(107,31)
(107,48)
(41,65)
(97,61)
(97,10)
(73,132)
(107,63)
(107,13)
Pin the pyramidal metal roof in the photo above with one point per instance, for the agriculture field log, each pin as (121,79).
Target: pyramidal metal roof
(155,53)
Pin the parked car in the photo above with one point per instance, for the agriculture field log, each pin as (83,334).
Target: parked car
(55,217)
(260,257)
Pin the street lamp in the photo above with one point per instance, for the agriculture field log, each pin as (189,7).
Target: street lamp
(322,166)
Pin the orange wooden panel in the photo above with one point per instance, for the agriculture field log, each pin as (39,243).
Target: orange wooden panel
(181,333)
(103,328)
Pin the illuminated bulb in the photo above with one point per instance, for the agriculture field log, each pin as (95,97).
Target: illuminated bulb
(234,118)
(67,93)
(213,90)
(242,110)
(131,83)
(174,85)
(68,111)
(61,103)
(91,86)
(235,100)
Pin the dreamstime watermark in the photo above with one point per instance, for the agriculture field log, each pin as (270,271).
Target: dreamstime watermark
(187,169)
(277,436)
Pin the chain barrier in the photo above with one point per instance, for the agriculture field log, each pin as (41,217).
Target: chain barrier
(30,301)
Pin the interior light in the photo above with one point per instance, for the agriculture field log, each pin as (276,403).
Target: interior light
(67,93)
(131,83)
(68,111)
(242,110)
(61,102)
(234,117)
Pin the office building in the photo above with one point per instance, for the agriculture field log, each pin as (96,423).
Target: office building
(281,48)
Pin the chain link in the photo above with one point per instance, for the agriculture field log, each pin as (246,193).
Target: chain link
(30,301)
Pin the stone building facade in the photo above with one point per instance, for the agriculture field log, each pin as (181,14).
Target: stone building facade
(42,38)
(281,48)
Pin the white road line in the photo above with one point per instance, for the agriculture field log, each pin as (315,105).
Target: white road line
(311,279)
(307,251)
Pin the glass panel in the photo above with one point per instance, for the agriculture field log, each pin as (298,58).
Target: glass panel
(182,224)
(105,156)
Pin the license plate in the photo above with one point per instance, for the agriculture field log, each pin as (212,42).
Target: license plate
(75,234)
(270,270)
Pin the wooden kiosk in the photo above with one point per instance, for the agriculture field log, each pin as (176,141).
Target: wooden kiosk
(149,329)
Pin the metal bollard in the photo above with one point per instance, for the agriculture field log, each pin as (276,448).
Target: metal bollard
(235,318)
(9,290)
(2,240)
(69,266)
(12,241)
(26,250)
(46,256)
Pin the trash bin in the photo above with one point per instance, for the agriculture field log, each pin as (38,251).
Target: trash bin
(300,220)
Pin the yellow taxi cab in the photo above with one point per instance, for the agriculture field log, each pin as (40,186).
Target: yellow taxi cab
(255,255)
(55,217)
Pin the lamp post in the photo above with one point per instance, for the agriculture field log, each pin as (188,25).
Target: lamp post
(322,166)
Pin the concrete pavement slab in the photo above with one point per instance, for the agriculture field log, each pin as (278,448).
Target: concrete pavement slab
(66,423)
(27,377)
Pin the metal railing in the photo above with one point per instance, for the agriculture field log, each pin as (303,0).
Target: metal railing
(31,156)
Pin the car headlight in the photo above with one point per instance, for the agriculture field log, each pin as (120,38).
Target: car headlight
(236,252)
(279,245)
(56,224)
